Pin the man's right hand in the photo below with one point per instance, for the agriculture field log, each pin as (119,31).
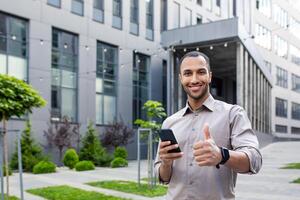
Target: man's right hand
(165,157)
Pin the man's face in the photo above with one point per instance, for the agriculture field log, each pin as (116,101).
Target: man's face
(195,77)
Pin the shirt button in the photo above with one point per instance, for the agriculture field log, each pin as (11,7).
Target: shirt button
(191,182)
(191,164)
(193,129)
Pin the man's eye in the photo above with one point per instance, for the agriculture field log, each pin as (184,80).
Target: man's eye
(187,73)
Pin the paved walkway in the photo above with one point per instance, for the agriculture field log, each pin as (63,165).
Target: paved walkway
(271,183)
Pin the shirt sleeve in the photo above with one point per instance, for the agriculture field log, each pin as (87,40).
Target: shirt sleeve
(244,139)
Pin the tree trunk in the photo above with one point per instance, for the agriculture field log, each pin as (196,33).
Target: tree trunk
(5,149)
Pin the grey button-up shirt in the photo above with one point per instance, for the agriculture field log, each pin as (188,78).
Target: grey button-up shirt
(229,127)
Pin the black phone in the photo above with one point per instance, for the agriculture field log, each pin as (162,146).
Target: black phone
(168,135)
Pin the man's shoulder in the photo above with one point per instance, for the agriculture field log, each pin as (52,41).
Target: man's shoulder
(174,116)
(223,106)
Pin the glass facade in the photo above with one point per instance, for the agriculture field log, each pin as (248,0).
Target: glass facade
(106,85)
(188,17)
(176,15)
(280,128)
(117,14)
(134,17)
(296,83)
(281,77)
(163,15)
(295,111)
(280,16)
(280,46)
(294,27)
(295,54)
(55,3)
(264,6)
(77,7)
(64,75)
(14,46)
(149,19)
(141,66)
(263,36)
(98,11)
(281,107)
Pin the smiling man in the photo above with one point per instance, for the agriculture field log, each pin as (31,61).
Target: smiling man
(216,140)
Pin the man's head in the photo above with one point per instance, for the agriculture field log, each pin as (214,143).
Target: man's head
(195,75)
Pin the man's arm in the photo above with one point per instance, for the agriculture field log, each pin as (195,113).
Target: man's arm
(238,161)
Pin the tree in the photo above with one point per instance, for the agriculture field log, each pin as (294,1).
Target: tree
(16,99)
(116,134)
(62,135)
(31,152)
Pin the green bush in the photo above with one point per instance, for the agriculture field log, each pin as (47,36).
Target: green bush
(120,152)
(84,165)
(4,171)
(105,160)
(70,158)
(44,167)
(119,162)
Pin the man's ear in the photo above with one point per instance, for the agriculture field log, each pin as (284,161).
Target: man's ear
(179,76)
(210,77)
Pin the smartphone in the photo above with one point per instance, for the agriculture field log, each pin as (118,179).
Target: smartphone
(168,135)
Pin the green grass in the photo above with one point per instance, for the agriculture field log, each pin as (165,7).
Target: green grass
(131,187)
(10,197)
(146,179)
(292,166)
(64,192)
(296,181)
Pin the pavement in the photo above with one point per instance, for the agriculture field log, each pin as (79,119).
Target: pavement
(271,182)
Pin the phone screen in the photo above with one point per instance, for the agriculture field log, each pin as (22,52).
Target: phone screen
(168,135)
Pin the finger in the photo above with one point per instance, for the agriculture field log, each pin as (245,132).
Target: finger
(168,148)
(202,151)
(202,158)
(206,132)
(198,144)
(164,144)
(171,156)
(204,163)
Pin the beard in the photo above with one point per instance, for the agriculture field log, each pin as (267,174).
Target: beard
(199,96)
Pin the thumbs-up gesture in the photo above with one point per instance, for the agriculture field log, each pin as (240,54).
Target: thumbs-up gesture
(207,153)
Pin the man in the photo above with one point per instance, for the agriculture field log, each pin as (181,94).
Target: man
(216,140)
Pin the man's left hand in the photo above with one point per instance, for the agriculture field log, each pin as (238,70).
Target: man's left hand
(207,153)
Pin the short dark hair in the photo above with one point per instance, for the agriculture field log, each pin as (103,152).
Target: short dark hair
(194,54)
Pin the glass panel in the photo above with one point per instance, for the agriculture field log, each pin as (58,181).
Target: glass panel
(109,109)
(17,67)
(99,85)
(77,7)
(99,110)
(109,87)
(68,103)
(98,15)
(2,64)
(117,22)
(98,4)
(68,79)
(18,29)
(176,17)
(2,43)
(188,17)
(117,8)
(54,2)
(55,77)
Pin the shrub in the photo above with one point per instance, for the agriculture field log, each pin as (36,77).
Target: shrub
(4,171)
(70,158)
(120,152)
(105,160)
(119,162)
(84,165)
(44,167)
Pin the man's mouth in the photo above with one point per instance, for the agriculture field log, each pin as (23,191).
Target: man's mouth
(195,88)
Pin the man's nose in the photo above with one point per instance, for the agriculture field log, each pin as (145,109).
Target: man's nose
(195,78)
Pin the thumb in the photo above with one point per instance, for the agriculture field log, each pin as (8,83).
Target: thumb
(206,132)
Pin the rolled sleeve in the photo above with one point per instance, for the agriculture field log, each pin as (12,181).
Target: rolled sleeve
(254,157)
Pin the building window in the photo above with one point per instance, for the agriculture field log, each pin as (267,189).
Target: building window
(188,17)
(14,47)
(295,111)
(199,19)
(199,2)
(263,36)
(296,83)
(117,14)
(218,7)
(268,65)
(295,54)
(149,19)
(281,107)
(294,27)
(106,86)
(141,67)
(176,15)
(264,6)
(77,7)
(280,46)
(55,3)
(64,75)
(134,17)
(163,15)
(98,11)
(282,77)
(280,128)
(208,4)
(295,130)
(280,16)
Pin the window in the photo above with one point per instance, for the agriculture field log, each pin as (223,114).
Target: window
(281,107)
(141,67)
(134,17)
(188,17)
(163,15)
(264,6)
(282,77)
(64,75)
(149,19)
(117,14)
(98,11)
(77,7)
(295,54)
(13,46)
(208,4)
(296,83)
(295,130)
(106,85)
(295,111)
(280,16)
(199,19)
(218,7)
(55,3)
(280,46)
(268,65)
(280,128)
(294,27)
(176,15)
(263,36)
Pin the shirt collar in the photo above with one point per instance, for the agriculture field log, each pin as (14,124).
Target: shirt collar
(209,103)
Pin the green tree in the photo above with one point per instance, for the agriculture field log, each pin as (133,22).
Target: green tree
(91,149)
(16,99)
(31,151)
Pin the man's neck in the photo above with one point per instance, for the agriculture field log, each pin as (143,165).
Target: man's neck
(195,104)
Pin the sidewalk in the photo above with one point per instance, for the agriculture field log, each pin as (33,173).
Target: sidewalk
(271,183)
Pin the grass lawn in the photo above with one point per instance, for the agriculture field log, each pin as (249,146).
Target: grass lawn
(131,187)
(146,179)
(10,197)
(69,193)
(292,166)
(296,181)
